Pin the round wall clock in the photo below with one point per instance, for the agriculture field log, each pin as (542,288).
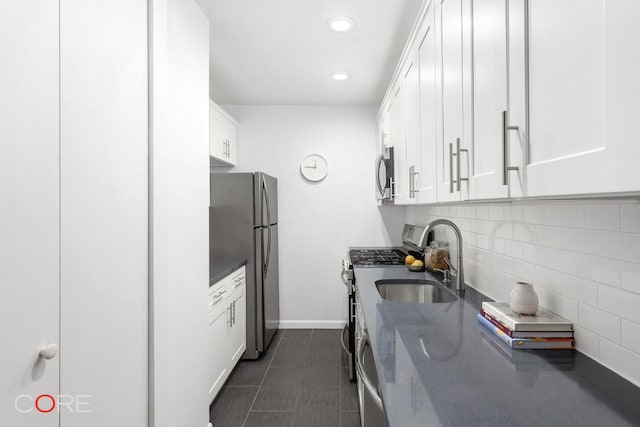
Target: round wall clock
(314,168)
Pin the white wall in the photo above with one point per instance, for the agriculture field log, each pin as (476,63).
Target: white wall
(583,258)
(180,214)
(317,222)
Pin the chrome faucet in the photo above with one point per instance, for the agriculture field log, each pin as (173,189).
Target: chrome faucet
(459,275)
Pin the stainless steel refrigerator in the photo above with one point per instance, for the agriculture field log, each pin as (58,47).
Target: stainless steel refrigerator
(243,223)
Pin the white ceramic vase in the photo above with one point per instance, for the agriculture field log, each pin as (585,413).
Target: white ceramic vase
(523,298)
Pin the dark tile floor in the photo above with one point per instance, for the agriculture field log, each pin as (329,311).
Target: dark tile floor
(299,382)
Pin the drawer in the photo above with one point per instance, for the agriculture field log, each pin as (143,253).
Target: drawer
(238,278)
(217,294)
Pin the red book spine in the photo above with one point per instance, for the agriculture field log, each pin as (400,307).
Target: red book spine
(498,325)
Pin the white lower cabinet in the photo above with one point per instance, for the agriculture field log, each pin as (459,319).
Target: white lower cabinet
(227,327)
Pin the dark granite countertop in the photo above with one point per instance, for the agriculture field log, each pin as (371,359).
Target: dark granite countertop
(437,368)
(221,265)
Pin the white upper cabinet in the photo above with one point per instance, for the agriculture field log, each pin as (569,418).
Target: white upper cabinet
(412,122)
(397,139)
(575,96)
(426,181)
(488,150)
(451,161)
(222,136)
(507,99)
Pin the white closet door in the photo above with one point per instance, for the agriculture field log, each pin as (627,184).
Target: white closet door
(104,215)
(29,217)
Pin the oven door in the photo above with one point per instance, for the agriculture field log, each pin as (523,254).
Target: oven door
(347,338)
(384,175)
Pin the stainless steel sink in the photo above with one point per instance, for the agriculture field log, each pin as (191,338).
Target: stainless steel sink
(414,291)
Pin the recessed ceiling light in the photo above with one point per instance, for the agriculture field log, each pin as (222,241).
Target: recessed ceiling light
(340,76)
(341,24)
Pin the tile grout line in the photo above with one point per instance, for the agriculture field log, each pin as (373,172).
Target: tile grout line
(275,350)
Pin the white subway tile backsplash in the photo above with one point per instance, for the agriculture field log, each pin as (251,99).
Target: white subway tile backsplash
(599,217)
(586,341)
(496,213)
(549,279)
(497,245)
(582,257)
(504,263)
(630,277)
(548,236)
(559,304)
(623,246)
(580,289)
(562,215)
(535,214)
(631,335)
(523,232)
(600,269)
(515,214)
(621,360)
(624,304)
(630,218)
(600,322)
(535,254)
(482,212)
(580,240)
(503,230)
(513,248)
(561,260)
(526,271)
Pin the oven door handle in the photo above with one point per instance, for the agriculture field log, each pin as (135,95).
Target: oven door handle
(344,346)
(364,341)
(345,270)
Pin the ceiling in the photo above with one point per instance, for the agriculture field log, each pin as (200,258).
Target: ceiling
(282,52)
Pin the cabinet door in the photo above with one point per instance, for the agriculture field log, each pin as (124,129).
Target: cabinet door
(426,181)
(230,139)
(399,142)
(412,119)
(217,146)
(578,107)
(451,75)
(237,331)
(218,371)
(489,23)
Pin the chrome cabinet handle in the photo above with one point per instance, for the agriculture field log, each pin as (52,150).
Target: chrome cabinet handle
(411,182)
(505,148)
(230,321)
(360,367)
(233,304)
(450,167)
(458,154)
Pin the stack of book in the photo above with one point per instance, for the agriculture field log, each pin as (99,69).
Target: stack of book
(544,330)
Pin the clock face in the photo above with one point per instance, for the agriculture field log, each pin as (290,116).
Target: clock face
(314,168)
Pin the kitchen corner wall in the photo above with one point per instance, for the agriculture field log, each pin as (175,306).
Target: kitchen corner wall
(317,222)
(583,258)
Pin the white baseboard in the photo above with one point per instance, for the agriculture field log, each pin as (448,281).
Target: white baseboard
(312,324)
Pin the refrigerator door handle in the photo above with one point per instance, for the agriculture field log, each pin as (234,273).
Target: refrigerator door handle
(265,190)
(266,264)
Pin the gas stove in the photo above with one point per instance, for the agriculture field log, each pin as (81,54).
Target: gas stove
(369,257)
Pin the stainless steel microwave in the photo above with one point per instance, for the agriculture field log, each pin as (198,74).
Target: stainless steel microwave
(385,180)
